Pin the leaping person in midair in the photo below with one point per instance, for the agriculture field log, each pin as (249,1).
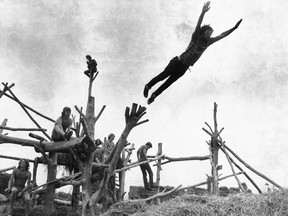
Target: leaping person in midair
(201,39)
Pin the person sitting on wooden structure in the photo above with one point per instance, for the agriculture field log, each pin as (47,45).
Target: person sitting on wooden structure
(62,128)
(16,185)
(91,65)
(109,144)
(201,39)
(142,156)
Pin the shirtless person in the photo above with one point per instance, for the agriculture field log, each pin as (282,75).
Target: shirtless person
(16,185)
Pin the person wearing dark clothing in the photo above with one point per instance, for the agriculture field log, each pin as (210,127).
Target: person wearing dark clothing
(20,177)
(201,39)
(142,156)
(91,65)
(62,128)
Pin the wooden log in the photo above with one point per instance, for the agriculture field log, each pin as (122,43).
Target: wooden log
(22,129)
(161,194)
(6,89)
(100,113)
(171,159)
(3,125)
(33,120)
(7,169)
(61,146)
(232,168)
(159,168)
(246,175)
(29,108)
(137,164)
(206,182)
(252,169)
(34,175)
(122,175)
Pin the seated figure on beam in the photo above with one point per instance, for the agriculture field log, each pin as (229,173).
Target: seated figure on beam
(142,156)
(16,185)
(91,65)
(62,128)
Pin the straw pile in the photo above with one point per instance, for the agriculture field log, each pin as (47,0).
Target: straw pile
(273,203)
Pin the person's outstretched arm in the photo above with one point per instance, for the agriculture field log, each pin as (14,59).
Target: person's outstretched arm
(226,33)
(205,8)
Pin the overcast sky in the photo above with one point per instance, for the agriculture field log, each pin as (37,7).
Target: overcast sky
(43,48)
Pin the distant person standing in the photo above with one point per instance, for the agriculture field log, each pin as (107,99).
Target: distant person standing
(62,128)
(16,185)
(142,156)
(201,39)
(108,144)
(91,65)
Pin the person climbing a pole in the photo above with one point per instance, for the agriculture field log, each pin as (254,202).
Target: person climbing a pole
(142,156)
(62,128)
(20,177)
(200,40)
(91,65)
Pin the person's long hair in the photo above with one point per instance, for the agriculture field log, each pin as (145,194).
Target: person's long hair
(204,28)
(26,162)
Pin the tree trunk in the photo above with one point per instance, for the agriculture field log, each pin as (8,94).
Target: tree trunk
(48,208)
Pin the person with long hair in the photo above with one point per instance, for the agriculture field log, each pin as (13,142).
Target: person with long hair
(16,185)
(62,128)
(201,39)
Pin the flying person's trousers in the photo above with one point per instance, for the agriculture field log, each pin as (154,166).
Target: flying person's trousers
(173,71)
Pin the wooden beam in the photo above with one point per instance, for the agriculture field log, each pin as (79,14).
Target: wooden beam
(203,183)
(231,165)
(61,146)
(252,169)
(171,159)
(3,124)
(15,158)
(22,129)
(6,88)
(7,169)
(32,119)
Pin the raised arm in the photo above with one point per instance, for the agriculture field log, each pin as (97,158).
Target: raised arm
(226,33)
(205,8)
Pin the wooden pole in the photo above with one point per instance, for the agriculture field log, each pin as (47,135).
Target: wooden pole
(35,166)
(22,129)
(3,124)
(15,158)
(171,159)
(19,102)
(7,169)
(246,175)
(123,173)
(214,151)
(206,182)
(252,169)
(5,89)
(29,108)
(232,168)
(159,168)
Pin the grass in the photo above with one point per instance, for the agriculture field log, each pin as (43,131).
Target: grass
(274,203)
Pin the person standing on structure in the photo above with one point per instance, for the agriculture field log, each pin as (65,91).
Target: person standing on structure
(142,156)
